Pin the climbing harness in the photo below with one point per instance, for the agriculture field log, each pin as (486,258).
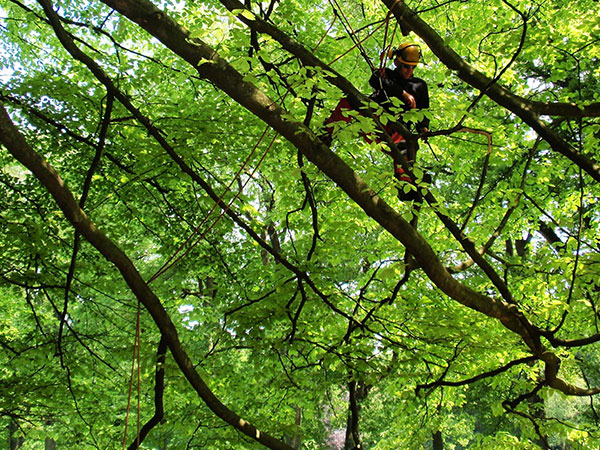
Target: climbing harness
(340,114)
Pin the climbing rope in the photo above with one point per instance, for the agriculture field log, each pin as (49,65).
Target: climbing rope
(174,259)
(385,54)
(324,35)
(337,9)
(358,43)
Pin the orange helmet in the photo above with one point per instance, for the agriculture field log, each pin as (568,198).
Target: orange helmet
(408,53)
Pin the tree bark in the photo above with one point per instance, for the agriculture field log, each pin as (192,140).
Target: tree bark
(14,442)
(438,441)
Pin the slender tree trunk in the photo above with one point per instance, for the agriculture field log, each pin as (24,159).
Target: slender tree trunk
(357,392)
(164,444)
(295,441)
(50,444)
(14,442)
(438,441)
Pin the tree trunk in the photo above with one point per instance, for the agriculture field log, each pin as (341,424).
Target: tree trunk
(357,392)
(50,444)
(438,441)
(14,442)
(295,441)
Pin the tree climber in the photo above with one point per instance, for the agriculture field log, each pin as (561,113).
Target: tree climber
(399,83)
(412,91)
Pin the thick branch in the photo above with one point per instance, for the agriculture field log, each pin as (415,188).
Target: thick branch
(566,109)
(550,372)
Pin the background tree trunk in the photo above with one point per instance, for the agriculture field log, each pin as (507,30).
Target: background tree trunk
(49,444)
(14,442)
(438,441)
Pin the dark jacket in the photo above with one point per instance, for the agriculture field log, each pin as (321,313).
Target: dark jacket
(392,85)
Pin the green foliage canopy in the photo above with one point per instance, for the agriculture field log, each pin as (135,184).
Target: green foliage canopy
(296,294)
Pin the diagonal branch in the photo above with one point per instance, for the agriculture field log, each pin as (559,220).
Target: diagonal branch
(511,209)
(481,376)
(77,238)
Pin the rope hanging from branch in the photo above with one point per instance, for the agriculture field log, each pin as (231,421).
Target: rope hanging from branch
(338,11)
